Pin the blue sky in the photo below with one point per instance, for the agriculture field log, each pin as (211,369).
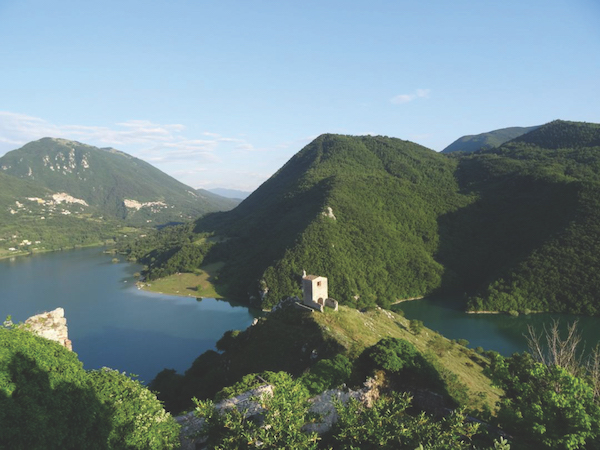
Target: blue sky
(222,93)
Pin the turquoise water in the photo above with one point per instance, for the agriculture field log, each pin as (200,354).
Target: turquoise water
(112,323)
(499,332)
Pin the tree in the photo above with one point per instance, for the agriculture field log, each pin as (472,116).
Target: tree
(387,425)
(416,326)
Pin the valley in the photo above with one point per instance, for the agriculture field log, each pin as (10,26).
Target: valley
(510,228)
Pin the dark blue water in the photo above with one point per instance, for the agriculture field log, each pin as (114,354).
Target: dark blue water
(499,332)
(112,323)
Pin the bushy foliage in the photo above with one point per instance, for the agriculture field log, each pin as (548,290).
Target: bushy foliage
(545,406)
(327,374)
(280,425)
(47,400)
(252,381)
(416,326)
(388,425)
(138,420)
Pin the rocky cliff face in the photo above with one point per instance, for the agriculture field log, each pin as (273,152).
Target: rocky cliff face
(51,325)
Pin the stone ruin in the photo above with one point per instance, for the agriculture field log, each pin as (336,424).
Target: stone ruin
(315,294)
(50,325)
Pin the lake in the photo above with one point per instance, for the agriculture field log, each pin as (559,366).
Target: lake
(499,332)
(112,323)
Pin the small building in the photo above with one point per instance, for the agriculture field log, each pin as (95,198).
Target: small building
(315,295)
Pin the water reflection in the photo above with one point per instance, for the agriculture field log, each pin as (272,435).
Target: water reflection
(112,323)
(500,332)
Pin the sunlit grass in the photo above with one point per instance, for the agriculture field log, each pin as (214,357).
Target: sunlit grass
(199,284)
(357,330)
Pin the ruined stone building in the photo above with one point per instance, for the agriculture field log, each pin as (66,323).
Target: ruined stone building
(315,295)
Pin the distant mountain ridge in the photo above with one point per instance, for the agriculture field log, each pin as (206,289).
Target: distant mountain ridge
(482,141)
(230,193)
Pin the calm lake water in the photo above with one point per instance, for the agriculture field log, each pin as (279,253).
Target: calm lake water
(499,332)
(112,323)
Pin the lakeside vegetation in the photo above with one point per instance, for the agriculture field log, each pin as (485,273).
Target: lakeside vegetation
(197,284)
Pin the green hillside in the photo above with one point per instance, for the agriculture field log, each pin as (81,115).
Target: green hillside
(294,341)
(512,228)
(378,244)
(58,194)
(115,183)
(491,139)
(34,218)
(558,267)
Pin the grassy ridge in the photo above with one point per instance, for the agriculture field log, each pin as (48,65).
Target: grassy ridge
(294,341)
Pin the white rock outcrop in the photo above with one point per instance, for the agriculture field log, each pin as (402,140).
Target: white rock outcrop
(64,197)
(329,213)
(248,402)
(51,325)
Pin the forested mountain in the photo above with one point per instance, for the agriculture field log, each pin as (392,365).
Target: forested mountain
(513,228)
(116,183)
(56,193)
(544,197)
(491,139)
(360,210)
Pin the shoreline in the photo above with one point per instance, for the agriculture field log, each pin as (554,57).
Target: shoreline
(19,254)
(408,300)
(143,287)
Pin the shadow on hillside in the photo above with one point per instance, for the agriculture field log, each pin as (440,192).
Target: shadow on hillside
(39,415)
(290,341)
(514,215)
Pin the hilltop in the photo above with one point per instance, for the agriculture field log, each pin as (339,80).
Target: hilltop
(361,210)
(117,184)
(482,141)
(294,341)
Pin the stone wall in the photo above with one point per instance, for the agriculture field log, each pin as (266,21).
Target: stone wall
(51,325)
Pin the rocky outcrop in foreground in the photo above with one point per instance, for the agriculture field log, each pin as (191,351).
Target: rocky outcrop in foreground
(51,325)
(249,403)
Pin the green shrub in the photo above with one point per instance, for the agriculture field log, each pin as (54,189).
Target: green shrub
(45,395)
(416,326)
(47,400)
(387,425)
(138,420)
(327,374)
(281,425)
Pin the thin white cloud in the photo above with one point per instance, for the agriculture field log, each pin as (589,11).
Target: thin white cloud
(406,98)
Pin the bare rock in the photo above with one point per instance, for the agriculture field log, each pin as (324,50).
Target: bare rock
(51,325)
